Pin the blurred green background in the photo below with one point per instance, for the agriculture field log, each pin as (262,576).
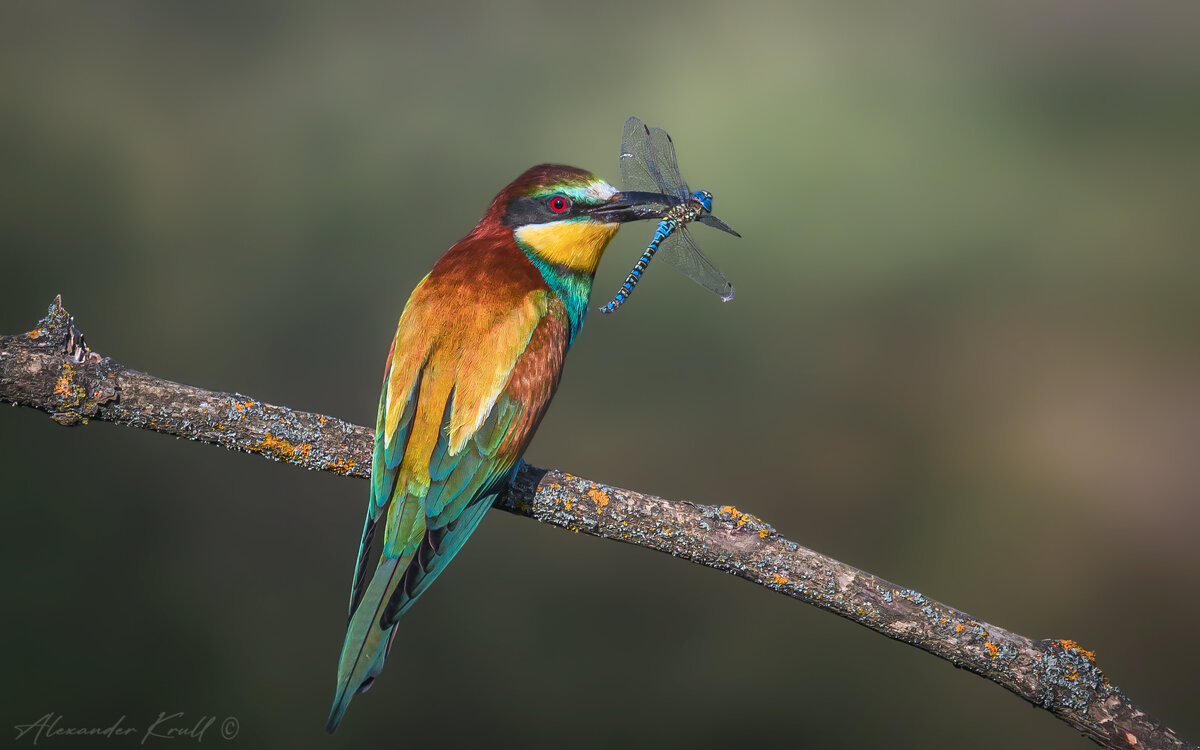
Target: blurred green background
(963,356)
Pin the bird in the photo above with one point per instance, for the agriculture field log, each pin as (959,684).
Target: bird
(476,358)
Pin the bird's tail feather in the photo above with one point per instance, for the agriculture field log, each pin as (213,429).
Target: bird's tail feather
(366,644)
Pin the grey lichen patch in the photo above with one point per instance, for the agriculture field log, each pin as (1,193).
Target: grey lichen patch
(732,518)
(1069,677)
(580,505)
(52,329)
(1008,653)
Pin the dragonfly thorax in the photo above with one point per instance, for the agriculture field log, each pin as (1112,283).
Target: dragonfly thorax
(685,213)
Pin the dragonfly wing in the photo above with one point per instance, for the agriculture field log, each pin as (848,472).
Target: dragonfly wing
(716,223)
(681,252)
(662,149)
(640,169)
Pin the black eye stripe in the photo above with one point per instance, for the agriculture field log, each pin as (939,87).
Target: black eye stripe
(543,209)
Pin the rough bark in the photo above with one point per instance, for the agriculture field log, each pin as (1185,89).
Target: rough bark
(52,369)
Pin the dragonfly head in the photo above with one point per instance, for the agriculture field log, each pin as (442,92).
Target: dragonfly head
(704,198)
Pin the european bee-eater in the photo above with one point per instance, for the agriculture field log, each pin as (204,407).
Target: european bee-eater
(475,361)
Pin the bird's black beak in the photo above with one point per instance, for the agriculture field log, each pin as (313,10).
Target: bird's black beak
(632,206)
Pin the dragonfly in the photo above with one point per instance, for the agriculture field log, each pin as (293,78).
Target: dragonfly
(650,175)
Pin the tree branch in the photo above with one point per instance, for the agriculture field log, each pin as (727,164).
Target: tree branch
(52,369)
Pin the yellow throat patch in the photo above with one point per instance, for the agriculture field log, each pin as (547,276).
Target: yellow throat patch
(577,245)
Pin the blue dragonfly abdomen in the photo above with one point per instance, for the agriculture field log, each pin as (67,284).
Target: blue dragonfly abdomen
(664,230)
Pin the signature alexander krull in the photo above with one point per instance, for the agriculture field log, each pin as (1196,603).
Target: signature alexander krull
(166,726)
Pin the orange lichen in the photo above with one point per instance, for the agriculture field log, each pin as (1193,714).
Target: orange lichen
(34,333)
(1070,645)
(244,405)
(600,498)
(277,447)
(779,580)
(340,466)
(64,386)
(71,393)
(992,648)
(1072,673)
(734,514)
(764,533)
(959,628)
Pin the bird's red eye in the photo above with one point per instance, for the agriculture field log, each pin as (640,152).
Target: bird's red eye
(558,204)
